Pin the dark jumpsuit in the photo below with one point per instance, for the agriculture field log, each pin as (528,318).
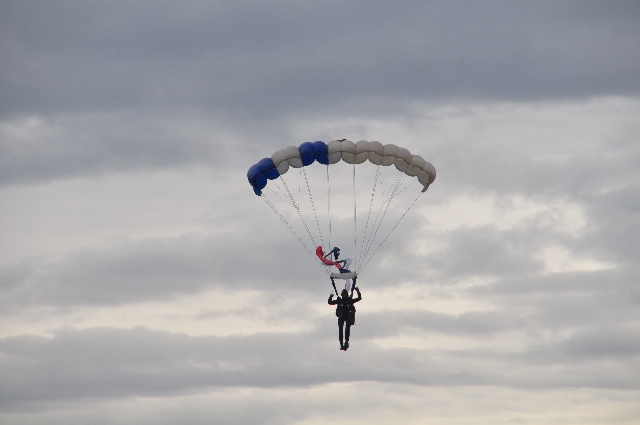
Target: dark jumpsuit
(346,312)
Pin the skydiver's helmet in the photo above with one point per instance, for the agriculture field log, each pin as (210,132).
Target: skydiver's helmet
(336,252)
(344,293)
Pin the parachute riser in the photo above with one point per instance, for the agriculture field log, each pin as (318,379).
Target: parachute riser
(334,287)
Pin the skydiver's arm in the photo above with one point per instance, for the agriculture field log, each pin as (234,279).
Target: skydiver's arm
(330,300)
(359,296)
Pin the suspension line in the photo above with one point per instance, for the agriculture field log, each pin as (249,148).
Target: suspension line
(329,205)
(355,226)
(394,227)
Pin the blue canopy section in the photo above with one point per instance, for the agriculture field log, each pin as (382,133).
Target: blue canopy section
(307,154)
(321,152)
(259,173)
(265,169)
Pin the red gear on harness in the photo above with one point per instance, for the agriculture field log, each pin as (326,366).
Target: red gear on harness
(326,261)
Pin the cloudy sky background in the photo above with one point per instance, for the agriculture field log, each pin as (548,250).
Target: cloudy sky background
(141,281)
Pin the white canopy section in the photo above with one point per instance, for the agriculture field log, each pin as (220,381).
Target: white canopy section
(385,155)
(357,153)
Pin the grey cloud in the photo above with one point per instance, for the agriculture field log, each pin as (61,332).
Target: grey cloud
(581,162)
(602,357)
(120,275)
(207,409)
(118,86)
(393,322)
(616,234)
(607,343)
(112,363)
(151,270)
(86,144)
(566,302)
(254,57)
(559,303)
(139,361)
(485,251)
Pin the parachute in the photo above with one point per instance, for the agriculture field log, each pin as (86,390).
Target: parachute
(351,196)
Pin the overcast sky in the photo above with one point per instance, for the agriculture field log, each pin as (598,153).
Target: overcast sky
(142,281)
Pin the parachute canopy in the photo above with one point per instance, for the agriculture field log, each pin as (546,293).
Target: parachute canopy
(351,197)
(334,151)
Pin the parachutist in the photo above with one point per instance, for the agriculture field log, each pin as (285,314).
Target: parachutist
(273,169)
(346,312)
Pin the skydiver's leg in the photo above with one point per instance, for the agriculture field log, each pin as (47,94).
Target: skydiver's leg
(347,332)
(340,323)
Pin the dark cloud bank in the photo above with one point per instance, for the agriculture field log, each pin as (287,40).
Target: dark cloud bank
(107,362)
(252,56)
(116,84)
